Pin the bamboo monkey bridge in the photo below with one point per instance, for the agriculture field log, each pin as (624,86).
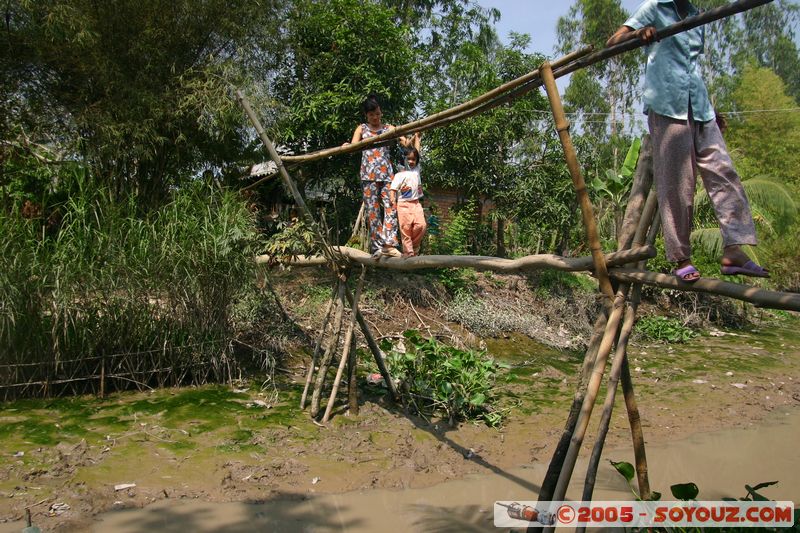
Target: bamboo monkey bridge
(620,274)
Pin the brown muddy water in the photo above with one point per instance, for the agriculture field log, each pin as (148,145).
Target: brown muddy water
(720,463)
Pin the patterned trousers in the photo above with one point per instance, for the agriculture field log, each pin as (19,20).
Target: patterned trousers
(680,149)
(381,215)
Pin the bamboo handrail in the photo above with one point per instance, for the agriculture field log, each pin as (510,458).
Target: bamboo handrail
(524,84)
(476,262)
(418,125)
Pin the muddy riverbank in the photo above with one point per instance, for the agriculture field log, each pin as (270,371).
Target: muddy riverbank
(765,452)
(248,443)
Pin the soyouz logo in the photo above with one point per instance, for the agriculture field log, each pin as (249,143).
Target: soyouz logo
(645,514)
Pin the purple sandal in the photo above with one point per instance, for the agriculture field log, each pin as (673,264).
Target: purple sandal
(747,269)
(685,273)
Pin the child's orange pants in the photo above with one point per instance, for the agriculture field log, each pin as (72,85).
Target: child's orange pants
(412,225)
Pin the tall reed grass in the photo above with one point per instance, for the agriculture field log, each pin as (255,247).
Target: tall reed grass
(115,294)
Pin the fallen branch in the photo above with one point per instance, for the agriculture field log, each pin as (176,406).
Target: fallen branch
(477,262)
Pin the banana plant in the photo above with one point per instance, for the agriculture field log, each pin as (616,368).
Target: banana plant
(616,186)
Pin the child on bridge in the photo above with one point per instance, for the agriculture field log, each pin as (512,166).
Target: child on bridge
(405,191)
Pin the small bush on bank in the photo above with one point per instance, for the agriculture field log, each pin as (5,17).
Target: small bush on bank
(440,379)
(663,329)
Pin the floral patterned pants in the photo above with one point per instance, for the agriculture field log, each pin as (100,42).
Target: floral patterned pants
(382,222)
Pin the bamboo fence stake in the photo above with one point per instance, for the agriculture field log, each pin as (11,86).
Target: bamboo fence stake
(357,225)
(333,345)
(562,126)
(318,345)
(103,377)
(346,348)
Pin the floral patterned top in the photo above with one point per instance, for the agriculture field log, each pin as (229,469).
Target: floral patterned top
(375,162)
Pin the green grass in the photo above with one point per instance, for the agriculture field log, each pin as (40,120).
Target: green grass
(109,279)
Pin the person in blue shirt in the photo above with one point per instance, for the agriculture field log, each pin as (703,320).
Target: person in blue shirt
(686,139)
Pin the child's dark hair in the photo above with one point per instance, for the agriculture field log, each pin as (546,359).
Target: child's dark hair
(411,150)
(371,103)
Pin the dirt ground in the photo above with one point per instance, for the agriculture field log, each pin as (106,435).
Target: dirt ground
(68,460)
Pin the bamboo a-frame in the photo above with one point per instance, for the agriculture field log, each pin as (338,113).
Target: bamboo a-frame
(620,284)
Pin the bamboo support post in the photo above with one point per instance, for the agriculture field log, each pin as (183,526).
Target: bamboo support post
(639,216)
(352,380)
(346,349)
(287,179)
(554,468)
(318,344)
(617,370)
(562,126)
(592,389)
(375,349)
(333,345)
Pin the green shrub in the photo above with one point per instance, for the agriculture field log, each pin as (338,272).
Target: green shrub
(440,379)
(663,329)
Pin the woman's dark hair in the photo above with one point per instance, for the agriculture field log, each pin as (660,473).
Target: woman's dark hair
(371,103)
(414,151)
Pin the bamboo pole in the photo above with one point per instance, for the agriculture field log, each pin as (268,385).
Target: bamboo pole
(746,293)
(348,344)
(359,218)
(375,349)
(287,180)
(318,344)
(431,120)
(560,451)
(562,126)
(591,394)
(619,363)
(333,345)
(601,337)
(639,216)
(352,380)
(477,262)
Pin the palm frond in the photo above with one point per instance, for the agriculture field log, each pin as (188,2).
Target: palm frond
(767,195)
(709,239)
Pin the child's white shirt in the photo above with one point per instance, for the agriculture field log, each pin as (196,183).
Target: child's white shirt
(408,185)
